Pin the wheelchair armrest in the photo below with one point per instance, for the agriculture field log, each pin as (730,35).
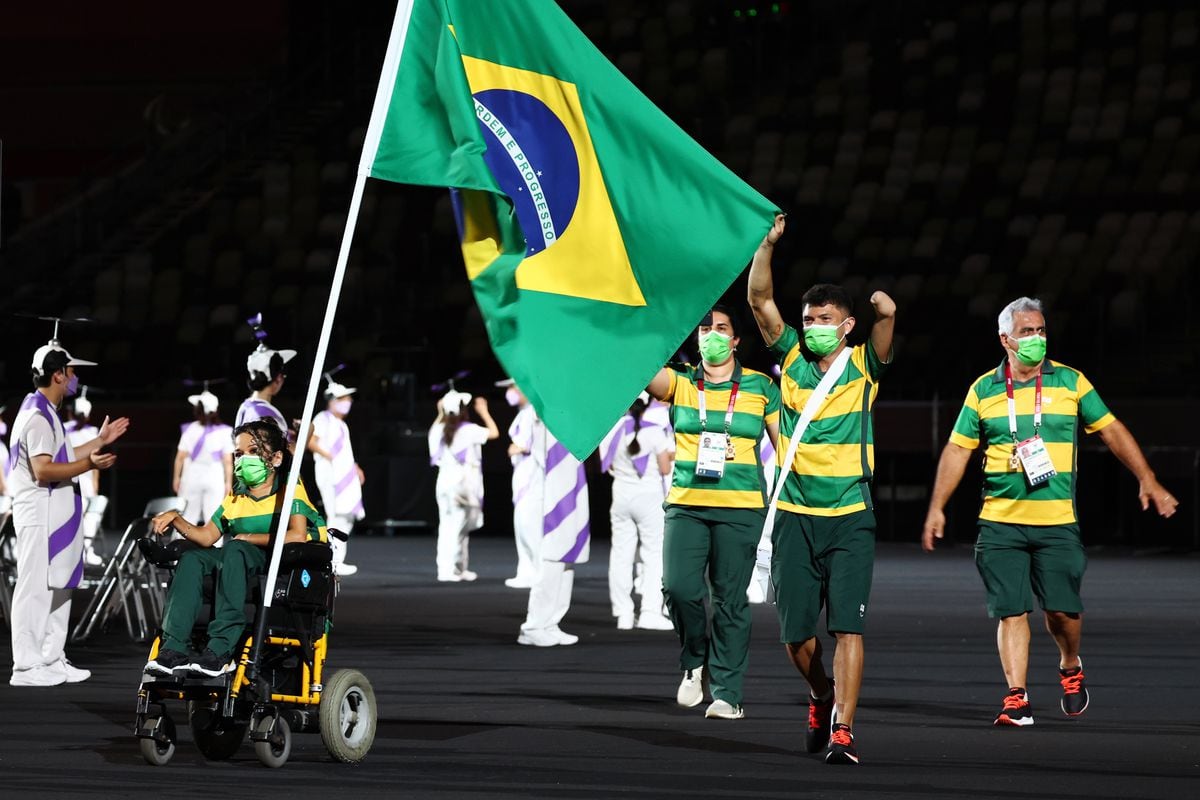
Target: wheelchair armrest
(163,555)
(305,554)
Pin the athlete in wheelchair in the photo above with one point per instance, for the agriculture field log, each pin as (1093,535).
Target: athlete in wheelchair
(230,683)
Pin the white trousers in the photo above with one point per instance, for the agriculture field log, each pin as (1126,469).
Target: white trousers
(550,597)
(203,487)
(637,518)
(455,523)
(40,615)
(527,530)
(343,523)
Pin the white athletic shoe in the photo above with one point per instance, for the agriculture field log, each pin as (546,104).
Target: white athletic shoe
(539,638)
(625,622)
(563,637)
(41,675)
(73,673)
(654,622)
(691,688)
(517,583)
(342,569)
(719,709)
(450,578)
(467,575)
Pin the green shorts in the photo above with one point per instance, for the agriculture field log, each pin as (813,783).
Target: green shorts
(822,561)
(1017,562)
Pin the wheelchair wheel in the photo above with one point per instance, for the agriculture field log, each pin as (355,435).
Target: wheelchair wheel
(348,716)
(156,751)
(215,738)
(274,751)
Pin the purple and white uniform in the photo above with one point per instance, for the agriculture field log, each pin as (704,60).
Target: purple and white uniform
(527,493)
(337,478)
(459,492)
(47,518)
(253,408)
(202,480)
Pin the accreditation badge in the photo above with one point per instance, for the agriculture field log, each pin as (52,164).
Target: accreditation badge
(710,455)
(1035,461)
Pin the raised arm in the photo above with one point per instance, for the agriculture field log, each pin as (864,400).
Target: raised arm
(1120,441)
(481,408)
(950,469)
(885,325)
(760,289)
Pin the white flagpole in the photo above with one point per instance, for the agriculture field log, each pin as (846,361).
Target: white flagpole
(383,93)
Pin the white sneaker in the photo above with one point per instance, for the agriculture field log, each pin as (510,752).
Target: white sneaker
(467,575)
(625,622)
(691,688)
(451,578)
(41,675)
(73,673)
(517,583)
(654,622)
(538,638)
(342,568)
(563,637)
(91,558)
(719,709)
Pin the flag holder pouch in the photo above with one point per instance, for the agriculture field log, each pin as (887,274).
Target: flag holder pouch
(287,692)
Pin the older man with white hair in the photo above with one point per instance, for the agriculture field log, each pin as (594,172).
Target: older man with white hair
(1026,413)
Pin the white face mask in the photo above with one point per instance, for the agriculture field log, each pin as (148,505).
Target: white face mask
(512,396)
(342,406)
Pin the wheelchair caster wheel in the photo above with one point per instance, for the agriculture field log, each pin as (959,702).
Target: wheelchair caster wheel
(274,750)
(348,716)
(160,746)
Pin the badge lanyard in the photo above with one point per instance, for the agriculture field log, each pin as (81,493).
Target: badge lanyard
(1012,406)
(703,405)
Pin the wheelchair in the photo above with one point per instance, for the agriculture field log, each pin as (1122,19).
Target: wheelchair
(285,692)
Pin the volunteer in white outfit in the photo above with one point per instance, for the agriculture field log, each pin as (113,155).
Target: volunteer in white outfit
(637,454)
(339,478)
(455,448)
(80,431)
(566,541)
(3,456)
(526,491)
(266,369)
(47,520)
(203,470)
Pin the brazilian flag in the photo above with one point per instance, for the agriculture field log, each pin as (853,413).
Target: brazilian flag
(595,232)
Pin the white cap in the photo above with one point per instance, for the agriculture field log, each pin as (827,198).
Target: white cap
(506,382)
(335,389)
(206,400)
(83,406)
(454,402)
(260,360)
(39,357)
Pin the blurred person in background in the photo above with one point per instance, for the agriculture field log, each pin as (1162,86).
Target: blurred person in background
(339,477)
(455,448)
(80,431)
(637,454)
(203,470)
(526,486)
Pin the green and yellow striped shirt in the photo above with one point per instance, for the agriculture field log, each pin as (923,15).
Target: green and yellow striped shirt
(240,513)
(1067,398)
(756,405)
(831,473)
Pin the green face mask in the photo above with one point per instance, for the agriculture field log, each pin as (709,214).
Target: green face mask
(1031,349)
(715,347)
(252,470)
(821,340)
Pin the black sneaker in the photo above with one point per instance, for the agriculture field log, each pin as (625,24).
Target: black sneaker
(1016,710)
(167,661)
(841,746)
(211,664)
(820,718)
(1075,693)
